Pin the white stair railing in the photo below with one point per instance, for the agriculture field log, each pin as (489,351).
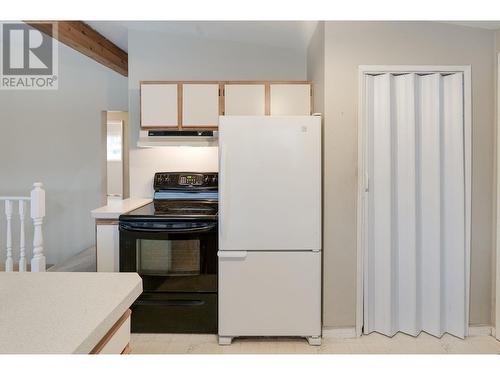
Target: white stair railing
(37,200)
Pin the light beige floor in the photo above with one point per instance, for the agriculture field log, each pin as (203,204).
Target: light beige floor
(370,344)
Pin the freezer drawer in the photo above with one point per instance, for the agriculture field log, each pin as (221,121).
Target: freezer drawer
(269,293)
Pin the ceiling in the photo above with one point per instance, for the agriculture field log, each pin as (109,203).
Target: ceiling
(284,34)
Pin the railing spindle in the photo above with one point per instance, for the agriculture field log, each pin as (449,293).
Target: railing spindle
(38,263)
(37,200)
(9,264)
(22,245)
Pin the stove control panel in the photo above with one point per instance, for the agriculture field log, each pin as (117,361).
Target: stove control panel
(191,179)
(185,180)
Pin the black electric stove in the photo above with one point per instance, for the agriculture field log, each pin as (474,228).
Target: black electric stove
(172,244)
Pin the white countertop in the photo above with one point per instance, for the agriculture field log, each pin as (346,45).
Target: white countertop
(115,208)
(61,312)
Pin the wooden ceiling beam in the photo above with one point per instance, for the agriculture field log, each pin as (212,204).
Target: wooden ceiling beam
(82,38)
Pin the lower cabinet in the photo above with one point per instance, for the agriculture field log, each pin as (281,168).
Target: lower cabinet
(107,246)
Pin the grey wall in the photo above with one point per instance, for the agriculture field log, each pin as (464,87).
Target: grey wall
(157,56)
(54,137)
(350,44)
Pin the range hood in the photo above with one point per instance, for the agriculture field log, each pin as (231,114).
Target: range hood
(190,138)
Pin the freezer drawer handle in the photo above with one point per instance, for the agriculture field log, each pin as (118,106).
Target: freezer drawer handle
(232,254)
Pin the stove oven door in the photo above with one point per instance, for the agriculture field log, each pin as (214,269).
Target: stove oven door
(178,264)
(171,256)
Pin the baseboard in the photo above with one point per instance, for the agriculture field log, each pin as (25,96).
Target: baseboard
(339,333)
(350,332)
(481,330)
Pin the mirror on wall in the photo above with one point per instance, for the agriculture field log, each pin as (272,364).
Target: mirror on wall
(116,155)
(114,159)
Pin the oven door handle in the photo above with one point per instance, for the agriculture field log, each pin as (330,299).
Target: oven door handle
(172,302)
(132,228)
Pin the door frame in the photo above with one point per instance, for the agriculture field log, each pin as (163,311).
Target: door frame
(497,231)
(111,116)
(362,178)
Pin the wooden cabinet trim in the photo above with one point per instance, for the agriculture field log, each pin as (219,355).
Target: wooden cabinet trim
(179,105)
(97,349)
(264,82)
(222,98)
(106,221)
(267,95)
(225,82)
(311,98)
(177,82)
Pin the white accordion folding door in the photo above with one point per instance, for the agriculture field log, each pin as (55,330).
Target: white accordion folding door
(414,231)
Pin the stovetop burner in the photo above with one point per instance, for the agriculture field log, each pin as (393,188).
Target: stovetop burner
(149,213)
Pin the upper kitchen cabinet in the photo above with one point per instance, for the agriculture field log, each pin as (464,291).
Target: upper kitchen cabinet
(159,105)
(197,105)
(292,99)
(200,105)
(245,99)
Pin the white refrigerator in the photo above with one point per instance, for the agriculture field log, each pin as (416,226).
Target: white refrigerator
(270,227)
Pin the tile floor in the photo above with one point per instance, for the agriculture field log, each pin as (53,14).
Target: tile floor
(370,344)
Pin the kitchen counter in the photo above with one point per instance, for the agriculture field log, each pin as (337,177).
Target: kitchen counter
(62,312)
(115,208)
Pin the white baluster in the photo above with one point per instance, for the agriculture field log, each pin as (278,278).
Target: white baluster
(37,214)
(9,264)
(22,245)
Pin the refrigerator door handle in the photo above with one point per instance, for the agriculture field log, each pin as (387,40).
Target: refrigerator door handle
(232,254)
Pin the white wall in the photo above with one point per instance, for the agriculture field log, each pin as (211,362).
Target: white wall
(55,137)
(350,44)
(316,66)
(157,56)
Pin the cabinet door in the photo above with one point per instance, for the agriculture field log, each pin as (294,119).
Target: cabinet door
(159,105)
(244,99)
(107,248)
(200,105)
(290,99)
